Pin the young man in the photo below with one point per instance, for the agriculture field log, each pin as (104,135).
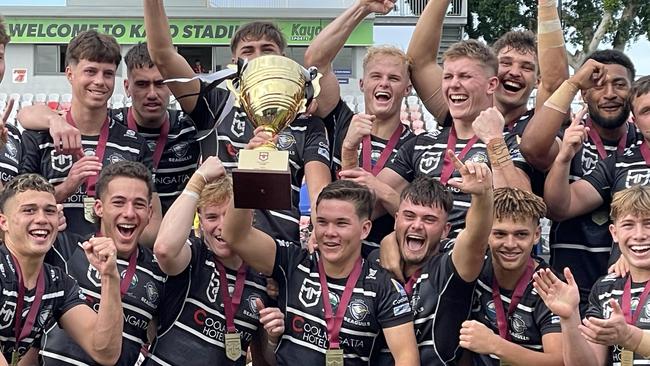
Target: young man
(10,139)
(305,138)
(171,135)
(511,324)
(92,59)
(583,177)
(469,83)
(618,306)
(29,222)
(124,208)
(201,316)
(440,286)
(378,131)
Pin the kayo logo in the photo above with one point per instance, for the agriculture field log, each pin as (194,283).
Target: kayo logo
(301,32)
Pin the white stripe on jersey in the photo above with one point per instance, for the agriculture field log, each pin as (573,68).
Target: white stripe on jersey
(317,349)
(240,145)
(56,180)
(50,295)
(204,338)
(72,205)
(13,339)
(169,194)
(297,128)
(132,338)
(62,358)
(356,290)
(10,167)
(369,243)
(625,165)
(177,169)
(618,293)
(606,249)
(504,298)
(158,360)
(283,216)
(125,305)
(218,314)
(170,136)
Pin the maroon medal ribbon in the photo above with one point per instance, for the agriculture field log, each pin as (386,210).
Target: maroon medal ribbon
(520,287)
(408,286)
(335,321)
(231,304)
(595,137)
(626,300)
(99,152)
(448,165)
(366,150)
(130,271)
(22,330)
(645,152)
(162,137)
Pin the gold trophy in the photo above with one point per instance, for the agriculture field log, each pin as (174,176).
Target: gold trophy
(272,90)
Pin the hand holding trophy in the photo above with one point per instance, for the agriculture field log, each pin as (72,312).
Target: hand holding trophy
(272,90)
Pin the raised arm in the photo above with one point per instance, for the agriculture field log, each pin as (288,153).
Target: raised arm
(551,52)
(162,52)
(150,232)
(99,334)
(469,251)
(402,344)
(324,48)
(426,74)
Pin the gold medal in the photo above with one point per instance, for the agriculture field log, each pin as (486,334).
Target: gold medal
(627,358)
(89,209)
(334,357)
(233,346)
(503,363)
(15,358)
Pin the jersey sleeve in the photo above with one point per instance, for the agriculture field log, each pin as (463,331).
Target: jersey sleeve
(403,163)
(316,144)
(393,306)
(516,155)
(209,106)
(595,308)
(547,322)
(195,245)
(602,176)
(65,245)
(31,152)
(72,296)
(287,257)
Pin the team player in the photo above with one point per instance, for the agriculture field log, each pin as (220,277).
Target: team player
(92,59)
(10,145)
(511,324)
(440,286)
(29,223)
(124,208)
(201,315)
(618,306)
(304,139)
(579,238)
(376,133)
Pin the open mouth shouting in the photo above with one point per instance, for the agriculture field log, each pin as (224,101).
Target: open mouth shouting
(458,98)
(126,230)
(414,242)
(512,86)
(383,96)
(39,235)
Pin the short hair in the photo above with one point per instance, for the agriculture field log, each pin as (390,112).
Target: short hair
(639,88)
(427,191)
(474,50)
(23,183)
(518,205)
(613,57)
(138,57)
(257,30)
(346,190)
(521,41)
(386,51)
(631,201)
(124,169)
(216,193)
(4,36)
(93,46)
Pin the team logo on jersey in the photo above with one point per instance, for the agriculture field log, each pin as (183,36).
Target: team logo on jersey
(429,161)
(398,286)
(636,177)
(134,279)
(94,276)
(89,151)
(518,325)
(60,163)
(491,310)
(252,303)
(115,157)
(479,157)
(119,116)
(589,161)
(7,314)
(286,140)
(180,149)
(152,291)
(11,149)
(334,300)
(44,315)
(238,126)
(151,145)
(213,287)
(358,309)
(130,134)
(372,273)
(309,293)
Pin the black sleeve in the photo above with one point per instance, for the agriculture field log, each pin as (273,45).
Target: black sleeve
(316,144)
(403,163)
(516,155)
(547,322)
(31,152)
(393,306)
(595,308)
(146,155)
(337,122)
(64,247)
(287,257)
(73,296)
(602,176)
(209,106)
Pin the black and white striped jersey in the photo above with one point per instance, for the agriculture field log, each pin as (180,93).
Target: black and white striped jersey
(11,155)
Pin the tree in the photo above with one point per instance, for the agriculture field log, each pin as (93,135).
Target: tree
(587,24)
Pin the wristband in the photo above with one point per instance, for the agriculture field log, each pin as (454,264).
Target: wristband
(561,99)
(498,152)
(196,183)
(549,28)
(190,193)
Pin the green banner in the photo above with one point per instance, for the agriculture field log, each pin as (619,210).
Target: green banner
(184,31)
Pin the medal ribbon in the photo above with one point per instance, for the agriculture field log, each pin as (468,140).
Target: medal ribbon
(22,330)
(130,271)
(99,152)
(162,137)
(334,321)
(595,137)
(448,165)
(520,287)
(627,301)
(231,304)
(645,151)
(408,286)
(366,150)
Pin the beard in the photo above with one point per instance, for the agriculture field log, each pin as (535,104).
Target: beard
(613,122)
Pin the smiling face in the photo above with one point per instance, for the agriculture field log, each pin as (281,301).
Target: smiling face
(92,82)
(632,233)
(30,222)
(418,230)
(467,87)
(517,77)
(150,96)
(608,104)
(211,218)
(641,109)
(384,85)
(511,242)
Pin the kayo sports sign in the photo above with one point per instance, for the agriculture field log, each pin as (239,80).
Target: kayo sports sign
(184,31)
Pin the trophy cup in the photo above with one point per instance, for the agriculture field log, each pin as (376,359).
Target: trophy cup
(272,90)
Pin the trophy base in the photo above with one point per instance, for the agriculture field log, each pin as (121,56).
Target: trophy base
(262,189)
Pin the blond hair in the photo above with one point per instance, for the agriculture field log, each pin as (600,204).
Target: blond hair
(216,193)
(473,50)
(386,51)
(518,205)
(633,201)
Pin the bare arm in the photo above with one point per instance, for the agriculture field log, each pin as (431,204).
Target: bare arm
(402,344)
(148,237)
(553,61)
(426,74)
(29,359)
(162,52)
(36,117)
(317,176)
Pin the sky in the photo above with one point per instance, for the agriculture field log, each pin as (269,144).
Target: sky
(400,36)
